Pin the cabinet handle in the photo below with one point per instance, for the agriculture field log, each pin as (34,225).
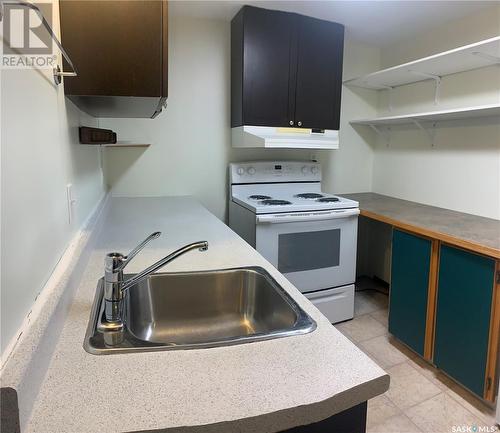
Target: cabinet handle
(291,122)
(299,123)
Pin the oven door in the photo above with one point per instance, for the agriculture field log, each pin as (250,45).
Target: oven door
(314,250)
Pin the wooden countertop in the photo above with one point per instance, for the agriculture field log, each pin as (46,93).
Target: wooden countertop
(468,231)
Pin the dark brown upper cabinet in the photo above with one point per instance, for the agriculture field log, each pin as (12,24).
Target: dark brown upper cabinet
(120,50)
(286,70)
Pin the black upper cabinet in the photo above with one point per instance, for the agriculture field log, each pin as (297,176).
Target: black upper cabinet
(319,74)
(120,50)
(267,67)
(286,70)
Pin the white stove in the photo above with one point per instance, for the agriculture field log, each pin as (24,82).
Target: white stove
(288,197)
(309,235)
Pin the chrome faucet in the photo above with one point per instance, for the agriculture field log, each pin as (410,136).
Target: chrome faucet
(115,287)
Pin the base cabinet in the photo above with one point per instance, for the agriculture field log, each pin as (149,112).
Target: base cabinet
(351,420)
(444,305)
(411,257)
(464,299)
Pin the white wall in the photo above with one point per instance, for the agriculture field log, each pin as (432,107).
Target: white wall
(462,171)
(191,140)
(40,156)
(350,168)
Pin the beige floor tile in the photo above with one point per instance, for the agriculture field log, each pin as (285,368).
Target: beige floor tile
(361,328)
(396,424)
(362,305)
(473,404)
(461,395)
(381,316)
(440,413)
(439,379)
(368,301)
(433,401)
(409,387)
(403,348)
(384,350)
(380,409)
(342,330)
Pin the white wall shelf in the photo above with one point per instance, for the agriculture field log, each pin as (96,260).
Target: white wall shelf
(427,122)
(492,110)
(113,145)
(465,58)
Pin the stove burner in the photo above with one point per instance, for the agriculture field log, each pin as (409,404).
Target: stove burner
(259,197)
(327,199)
(309,195)
(275,202)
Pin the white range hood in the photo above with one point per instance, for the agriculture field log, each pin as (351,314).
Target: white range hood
(284,138)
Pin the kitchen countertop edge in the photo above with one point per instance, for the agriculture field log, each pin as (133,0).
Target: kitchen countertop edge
(473,232)
(346,381)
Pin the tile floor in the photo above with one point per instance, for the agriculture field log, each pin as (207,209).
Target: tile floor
(420,398)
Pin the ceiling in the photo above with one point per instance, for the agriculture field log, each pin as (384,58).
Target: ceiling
(378,22)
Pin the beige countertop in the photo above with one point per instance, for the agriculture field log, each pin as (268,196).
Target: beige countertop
(465,230)
(258,387)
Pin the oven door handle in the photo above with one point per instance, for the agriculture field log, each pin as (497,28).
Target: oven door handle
(306,216)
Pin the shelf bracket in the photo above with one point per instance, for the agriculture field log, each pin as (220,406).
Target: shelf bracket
(493,59)
(429,132)
(437,82)
(389,89)
(385,135)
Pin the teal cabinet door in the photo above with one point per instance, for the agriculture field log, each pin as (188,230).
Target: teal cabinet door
(411,256)
(465,290)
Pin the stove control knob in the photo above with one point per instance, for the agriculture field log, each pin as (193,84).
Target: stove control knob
(314,170)
(305,170)
(250,170)
(240,170)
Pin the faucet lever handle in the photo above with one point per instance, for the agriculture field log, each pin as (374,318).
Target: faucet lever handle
(126,259)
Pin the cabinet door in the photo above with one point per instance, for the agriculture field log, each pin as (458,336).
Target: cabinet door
(268,75)
(465,289)
(319,74)
(119,47)
(411,256)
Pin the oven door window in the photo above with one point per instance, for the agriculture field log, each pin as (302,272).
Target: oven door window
(308,250)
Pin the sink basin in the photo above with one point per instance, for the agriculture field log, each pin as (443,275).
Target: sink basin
(188,310)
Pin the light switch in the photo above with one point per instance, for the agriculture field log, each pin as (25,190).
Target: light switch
(71,201)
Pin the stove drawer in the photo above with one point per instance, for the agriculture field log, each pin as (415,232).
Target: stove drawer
(336,304)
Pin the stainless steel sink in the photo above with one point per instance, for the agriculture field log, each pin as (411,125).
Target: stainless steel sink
(198,309)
